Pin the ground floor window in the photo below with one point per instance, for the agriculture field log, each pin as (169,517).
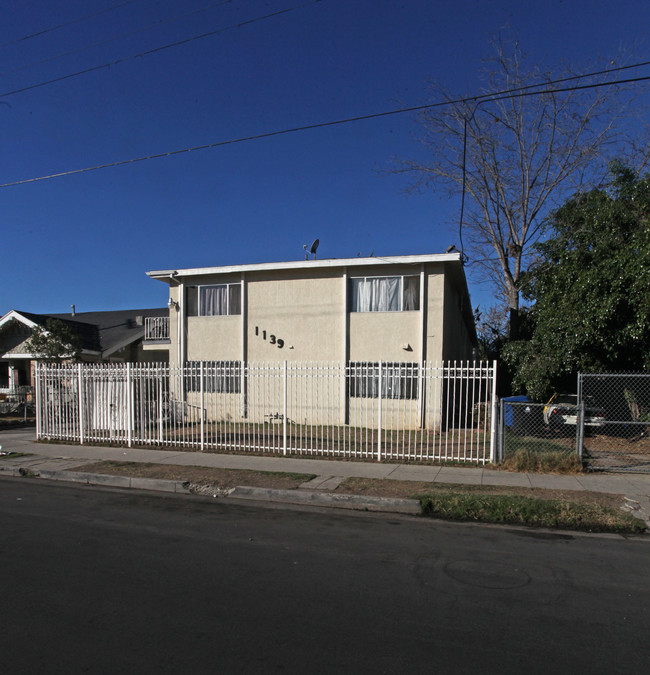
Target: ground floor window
(398,380)
(222,377)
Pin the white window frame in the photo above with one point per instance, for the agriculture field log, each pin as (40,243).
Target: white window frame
(228,311)
(401,278)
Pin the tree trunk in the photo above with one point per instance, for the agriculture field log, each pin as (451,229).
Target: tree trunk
(513,304)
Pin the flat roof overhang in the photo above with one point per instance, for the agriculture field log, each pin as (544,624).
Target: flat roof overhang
(329,263)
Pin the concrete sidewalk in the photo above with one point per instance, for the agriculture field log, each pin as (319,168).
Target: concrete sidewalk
(54,460)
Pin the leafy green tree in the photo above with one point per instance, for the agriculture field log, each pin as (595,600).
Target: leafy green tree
(591,288)
(56,342)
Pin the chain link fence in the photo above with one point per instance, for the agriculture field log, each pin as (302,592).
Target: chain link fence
(536,432)
(617,421)
(604,427)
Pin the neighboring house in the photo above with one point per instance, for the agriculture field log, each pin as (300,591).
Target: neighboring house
(113,336)
(401,309)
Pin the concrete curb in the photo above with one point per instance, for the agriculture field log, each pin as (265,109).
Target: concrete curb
(153,484)
(242,492)
(341,501)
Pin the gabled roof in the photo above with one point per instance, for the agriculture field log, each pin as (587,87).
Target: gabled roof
(100,332)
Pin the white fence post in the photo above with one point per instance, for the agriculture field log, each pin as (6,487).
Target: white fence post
(38,398)
(81,404)
(160,407)
(493,435)
(202,406)
(379,393)
(284,410)
(129,404)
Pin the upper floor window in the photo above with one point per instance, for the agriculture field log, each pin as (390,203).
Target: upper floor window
(385,294)
(214,300)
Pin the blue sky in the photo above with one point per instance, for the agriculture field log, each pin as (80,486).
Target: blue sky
(88,239)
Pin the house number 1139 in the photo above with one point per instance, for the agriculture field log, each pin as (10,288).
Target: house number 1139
(279,342)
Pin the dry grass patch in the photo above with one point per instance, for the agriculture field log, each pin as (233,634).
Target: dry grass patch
(530,511)
(530,461)
(221,478)
(410,489)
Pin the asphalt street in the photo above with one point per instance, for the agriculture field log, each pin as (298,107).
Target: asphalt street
(105,581)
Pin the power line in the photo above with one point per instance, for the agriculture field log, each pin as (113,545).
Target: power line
(155,24)
(517,92)
(67,23)
(170,45)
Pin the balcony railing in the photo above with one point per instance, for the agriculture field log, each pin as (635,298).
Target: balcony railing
(156,329)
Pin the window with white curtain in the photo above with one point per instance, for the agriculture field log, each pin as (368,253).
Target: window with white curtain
(385,294)
(214,300)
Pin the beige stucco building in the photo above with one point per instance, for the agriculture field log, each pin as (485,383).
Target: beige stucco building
(402,309)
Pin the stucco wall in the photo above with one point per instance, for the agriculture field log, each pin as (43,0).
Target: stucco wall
(435,284)
(305,313)
(457,343)
(384,336)
(211,335)
(173,327)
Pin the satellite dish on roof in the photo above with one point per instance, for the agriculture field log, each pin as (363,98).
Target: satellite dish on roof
(311,249)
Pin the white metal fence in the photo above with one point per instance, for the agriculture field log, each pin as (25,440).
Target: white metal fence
(381,411)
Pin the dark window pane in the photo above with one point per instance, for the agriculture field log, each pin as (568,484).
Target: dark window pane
(192,295)
(411,296)
(234,299)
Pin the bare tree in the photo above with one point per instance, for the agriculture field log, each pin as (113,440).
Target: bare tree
(514,152)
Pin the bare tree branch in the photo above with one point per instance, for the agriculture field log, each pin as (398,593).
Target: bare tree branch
(517,158)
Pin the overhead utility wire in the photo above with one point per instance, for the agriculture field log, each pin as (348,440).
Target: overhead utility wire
(238,25)
(67,23)
(159,49)
(496,96)
(155,24)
